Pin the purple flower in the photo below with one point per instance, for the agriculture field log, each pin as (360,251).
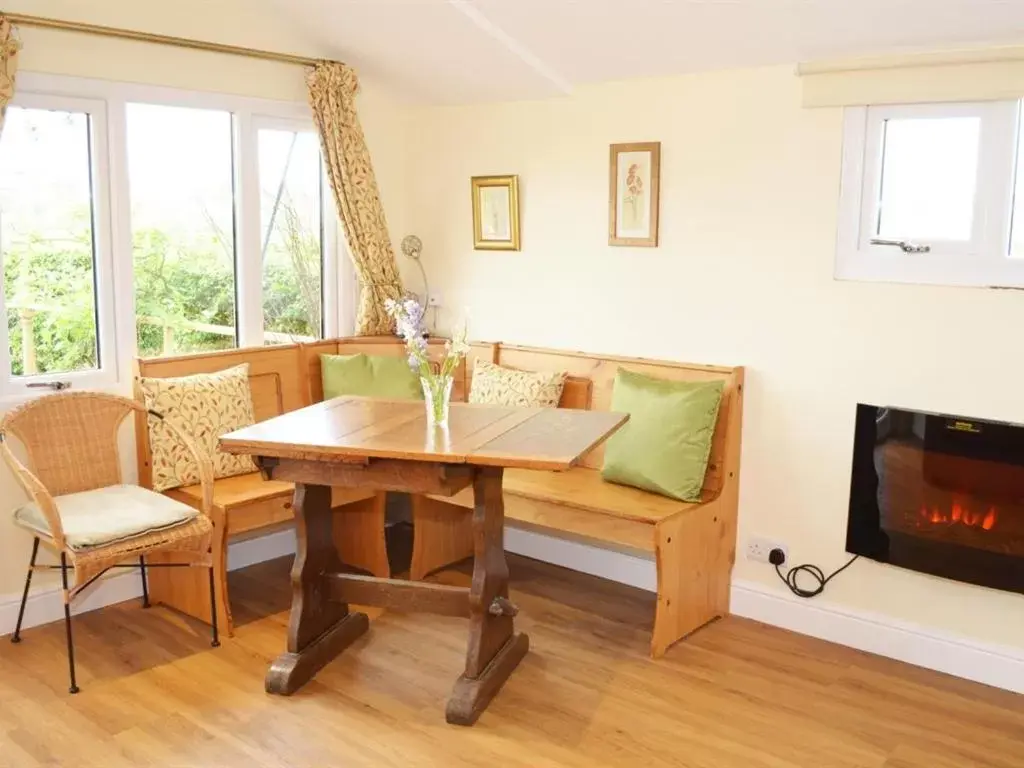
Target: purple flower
(409,324)
(408,315)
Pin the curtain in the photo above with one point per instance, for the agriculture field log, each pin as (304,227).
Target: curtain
(9,47)
(332,91)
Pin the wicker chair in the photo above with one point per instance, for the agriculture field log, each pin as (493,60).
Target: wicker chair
(80,507)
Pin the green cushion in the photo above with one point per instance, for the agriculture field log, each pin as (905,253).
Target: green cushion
(369,376)
(664,447)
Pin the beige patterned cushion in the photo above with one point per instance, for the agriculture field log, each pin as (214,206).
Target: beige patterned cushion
(204,406)
(495,385)
(108,515)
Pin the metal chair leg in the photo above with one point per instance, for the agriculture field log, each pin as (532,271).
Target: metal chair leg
(16,637)
(145,585)
(213,610)
(67,622)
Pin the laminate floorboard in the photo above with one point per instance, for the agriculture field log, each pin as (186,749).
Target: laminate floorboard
(737,694)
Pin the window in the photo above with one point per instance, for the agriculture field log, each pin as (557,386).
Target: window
(145,221)
(291,234)
(1017,239)
(51,236)
(920,199)
(180,173)
(928,195)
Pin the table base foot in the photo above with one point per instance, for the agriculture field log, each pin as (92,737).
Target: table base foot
(471,696)
(290,671)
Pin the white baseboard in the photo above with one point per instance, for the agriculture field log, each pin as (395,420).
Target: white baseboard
(998,666)
(242,554)
(995,665)
(45,605)
(638,572)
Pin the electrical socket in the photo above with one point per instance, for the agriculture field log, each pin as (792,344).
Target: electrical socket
(759,547)
(434,300)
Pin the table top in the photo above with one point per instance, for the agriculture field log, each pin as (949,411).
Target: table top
(359,429)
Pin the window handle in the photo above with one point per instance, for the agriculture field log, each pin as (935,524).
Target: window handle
(56,386)
(903,245)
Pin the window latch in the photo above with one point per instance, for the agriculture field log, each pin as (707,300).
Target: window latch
(56,386)
(903,245)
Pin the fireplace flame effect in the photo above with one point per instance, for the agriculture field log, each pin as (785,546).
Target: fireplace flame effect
(960,514)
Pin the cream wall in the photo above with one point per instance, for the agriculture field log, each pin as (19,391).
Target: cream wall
(743,275)
(383,117)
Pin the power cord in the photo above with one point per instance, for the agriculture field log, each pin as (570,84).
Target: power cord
(777,558)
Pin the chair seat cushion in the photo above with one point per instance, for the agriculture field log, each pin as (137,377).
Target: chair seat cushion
(108,515)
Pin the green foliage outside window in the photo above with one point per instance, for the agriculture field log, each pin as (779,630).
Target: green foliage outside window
(176,288)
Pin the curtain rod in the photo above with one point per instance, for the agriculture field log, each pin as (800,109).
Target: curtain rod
(148,37)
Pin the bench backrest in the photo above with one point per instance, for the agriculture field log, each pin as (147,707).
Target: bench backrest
(274,378)
(287,377)
(588,386)
(379,345)
(591,378)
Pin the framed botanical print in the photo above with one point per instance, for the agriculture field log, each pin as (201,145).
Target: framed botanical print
(634,182)
(496,213)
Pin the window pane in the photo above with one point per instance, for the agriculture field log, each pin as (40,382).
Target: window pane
(290,214)
(183,228)
(929,176)
(46,241)
(1017,240)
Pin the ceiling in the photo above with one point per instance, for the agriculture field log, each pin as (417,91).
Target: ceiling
(456,51)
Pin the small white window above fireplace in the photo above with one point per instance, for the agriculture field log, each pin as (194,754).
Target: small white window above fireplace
(933,193)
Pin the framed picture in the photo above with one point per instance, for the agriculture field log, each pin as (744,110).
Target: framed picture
(634,179)
(496,213)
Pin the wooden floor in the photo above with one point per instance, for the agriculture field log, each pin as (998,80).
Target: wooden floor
(735,695)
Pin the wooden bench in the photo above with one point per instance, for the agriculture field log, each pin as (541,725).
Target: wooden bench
(694,545)
(247,506)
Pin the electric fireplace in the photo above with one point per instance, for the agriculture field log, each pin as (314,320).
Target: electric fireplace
(939,494)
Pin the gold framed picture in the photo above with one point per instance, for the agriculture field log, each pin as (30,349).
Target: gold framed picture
(495,213)
(634,172)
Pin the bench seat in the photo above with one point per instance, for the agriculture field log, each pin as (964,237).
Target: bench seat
(693,545)
(250,503)
(247,506)
(689,541)
(580,503)
(583,488)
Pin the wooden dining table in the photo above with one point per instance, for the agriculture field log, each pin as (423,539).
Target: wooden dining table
(390,446)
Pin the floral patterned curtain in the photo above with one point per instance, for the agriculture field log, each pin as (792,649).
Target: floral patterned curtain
(9,47)
(332,91)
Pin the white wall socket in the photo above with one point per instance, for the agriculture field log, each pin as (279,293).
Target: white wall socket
(758,548)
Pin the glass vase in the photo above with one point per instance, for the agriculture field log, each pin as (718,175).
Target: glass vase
(437,393)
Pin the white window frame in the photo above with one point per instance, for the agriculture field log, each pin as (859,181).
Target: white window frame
(984,260)
(330,232)
(108,362)
(106,102)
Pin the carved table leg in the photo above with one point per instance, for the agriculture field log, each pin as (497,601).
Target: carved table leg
(319,628)
(494,648)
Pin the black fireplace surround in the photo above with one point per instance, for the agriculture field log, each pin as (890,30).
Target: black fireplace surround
(939,494)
